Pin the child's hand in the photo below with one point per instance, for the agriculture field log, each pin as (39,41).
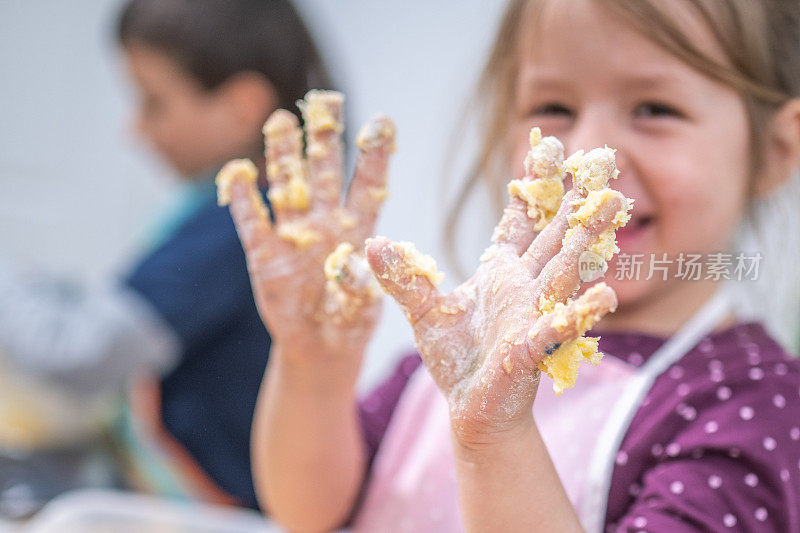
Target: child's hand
(485,342)
(310,307)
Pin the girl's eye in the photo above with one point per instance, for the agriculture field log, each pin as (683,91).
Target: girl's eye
(656,110)
(552,109)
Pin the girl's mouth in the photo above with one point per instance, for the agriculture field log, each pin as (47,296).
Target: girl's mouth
(630,238)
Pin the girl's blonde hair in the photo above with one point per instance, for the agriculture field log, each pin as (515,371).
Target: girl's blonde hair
(760,38)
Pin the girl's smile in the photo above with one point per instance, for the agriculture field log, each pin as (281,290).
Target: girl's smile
(659,114)
(635,236)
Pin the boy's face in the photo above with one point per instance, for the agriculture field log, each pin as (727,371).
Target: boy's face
(195,130)
(682,139)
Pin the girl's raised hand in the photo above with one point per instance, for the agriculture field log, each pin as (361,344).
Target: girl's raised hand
(313,301)
(486,342)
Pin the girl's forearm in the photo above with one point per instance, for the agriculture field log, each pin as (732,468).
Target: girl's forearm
(308,454)
(510,484)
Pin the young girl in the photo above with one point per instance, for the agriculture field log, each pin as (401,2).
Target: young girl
(688,424)
(208,74)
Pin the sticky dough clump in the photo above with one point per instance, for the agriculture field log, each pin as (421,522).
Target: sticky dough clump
(606,245)
(591,173)
(419,264)
(336,261)
(318,113)
(344,265)
(316,110)
(543,197)
(241,168)
(298,233)
(593,170)
(295,192)
(543,193)
(582,317)
(562,364)
(376,132)
(546,156)
(350,283)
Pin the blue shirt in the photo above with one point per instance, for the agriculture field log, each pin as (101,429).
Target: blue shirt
(197,280)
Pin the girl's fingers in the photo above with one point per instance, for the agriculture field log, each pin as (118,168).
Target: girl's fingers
(593,230)
(566,323)
(535,198)
(322,117)
(515,229)
(406,275)
(591,173)
(351,290)
(548,242)
(265,250)
(288,187)
(236,186)
(368,188)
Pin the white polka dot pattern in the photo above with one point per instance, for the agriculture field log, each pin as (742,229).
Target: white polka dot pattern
(676,487)
(733,394)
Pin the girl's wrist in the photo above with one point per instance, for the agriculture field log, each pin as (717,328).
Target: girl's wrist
(488,444)
(317,374)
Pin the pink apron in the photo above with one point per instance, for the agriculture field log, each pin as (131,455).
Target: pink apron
(413,484)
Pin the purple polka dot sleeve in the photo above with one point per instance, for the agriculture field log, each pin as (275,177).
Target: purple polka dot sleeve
(716,444)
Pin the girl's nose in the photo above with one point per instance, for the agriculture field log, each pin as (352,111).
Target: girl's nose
(595,128)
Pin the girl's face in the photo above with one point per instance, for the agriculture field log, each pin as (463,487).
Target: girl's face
(682,139)
(194,129)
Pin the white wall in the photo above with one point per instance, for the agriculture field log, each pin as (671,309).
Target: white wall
(76,190)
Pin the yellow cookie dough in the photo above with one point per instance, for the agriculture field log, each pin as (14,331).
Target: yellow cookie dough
(593,170)
(336,260)
(375,132)
(419,264)
(562,364)
(546,156)
(299,234)
(316,110)
(294,194)
(605,246)
(243,169)
(543,197)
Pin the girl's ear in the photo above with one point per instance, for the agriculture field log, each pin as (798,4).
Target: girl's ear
(251,97)
(783,148)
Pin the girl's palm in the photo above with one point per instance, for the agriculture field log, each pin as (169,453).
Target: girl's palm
(484,341)
(305,312)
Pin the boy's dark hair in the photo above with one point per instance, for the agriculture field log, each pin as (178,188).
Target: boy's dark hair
(216,39)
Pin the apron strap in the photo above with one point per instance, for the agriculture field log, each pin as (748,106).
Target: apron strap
(593,511)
